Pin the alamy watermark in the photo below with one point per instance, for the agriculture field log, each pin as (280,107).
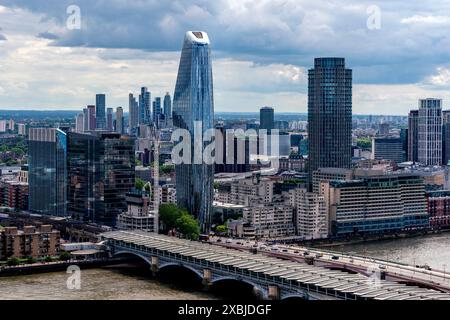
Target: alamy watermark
(73,21)
(74,280)
(230,146)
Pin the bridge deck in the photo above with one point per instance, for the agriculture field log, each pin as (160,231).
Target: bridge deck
(270,268)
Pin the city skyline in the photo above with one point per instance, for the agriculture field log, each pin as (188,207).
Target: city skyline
(259,69)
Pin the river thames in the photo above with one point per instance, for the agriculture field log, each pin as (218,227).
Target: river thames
(128,282)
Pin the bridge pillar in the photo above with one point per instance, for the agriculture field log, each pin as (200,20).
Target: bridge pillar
(206,281)
(154,265)
(273,292)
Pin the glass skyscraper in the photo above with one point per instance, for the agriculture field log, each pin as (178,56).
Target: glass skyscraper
(47,150)
(100,117)
(329,114)
(144,106)
(167,106)
(193,102)
(101,171)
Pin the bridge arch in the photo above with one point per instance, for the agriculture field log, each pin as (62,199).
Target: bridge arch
(181,265)
(123,252)
(293,296)
(257,289)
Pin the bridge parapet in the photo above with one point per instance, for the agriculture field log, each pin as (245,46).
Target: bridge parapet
(272,277)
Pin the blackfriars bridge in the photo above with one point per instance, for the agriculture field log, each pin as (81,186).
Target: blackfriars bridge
(270,277)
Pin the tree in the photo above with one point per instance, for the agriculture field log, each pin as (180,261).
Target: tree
(31,260)
(13,262)
(168,215)
(139,184)
(167,168)
(188,226)
(221,229)
(48,259)
(64,256)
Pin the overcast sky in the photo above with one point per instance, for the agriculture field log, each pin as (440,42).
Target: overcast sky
(261,50)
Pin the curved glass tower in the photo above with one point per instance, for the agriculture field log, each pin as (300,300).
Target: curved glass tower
(193,104)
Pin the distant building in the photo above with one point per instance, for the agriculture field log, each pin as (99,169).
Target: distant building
(133,108)
(329,114)
(413,135)
(167,107)
(22,129)
(91,117)
(119,120)
(47,160)
(157,111)
(266,119)
(79,123)
(109,119)
(384,129)
(430,132)
(34,242)
(100,118)
(388,148)
(144,106)
(2,125)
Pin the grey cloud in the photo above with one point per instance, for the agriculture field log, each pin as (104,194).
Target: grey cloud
(277,31)
(3,37)
(48,35)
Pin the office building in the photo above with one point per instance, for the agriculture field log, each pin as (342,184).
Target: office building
(266,119)
(388,148)
(329,114)
(193,102)
(157,111)
(133,108)
(100,105)
(430,132)
(413,135)
(100,168)
(109,119)
(144,106)
(119,120)
(79,123)
(91,118)
(167,107)
(47,175)
(376,205)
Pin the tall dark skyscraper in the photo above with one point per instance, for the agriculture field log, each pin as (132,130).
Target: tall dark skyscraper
(266,118)
(47,151)
(100,117)
(101,171)
(92,120)
(157,111)
(133,108)
(192,102)
(109,119)
(144,106)
(167,106)
(413,135)
(329,114)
